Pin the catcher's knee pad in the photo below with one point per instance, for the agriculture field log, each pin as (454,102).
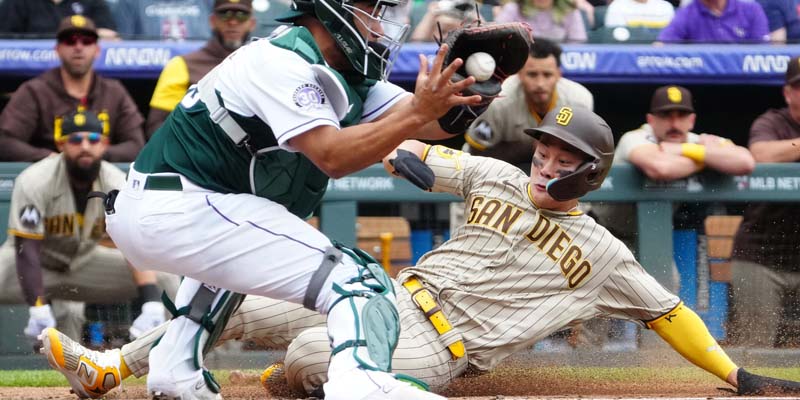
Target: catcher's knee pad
(378,316)
(211,308)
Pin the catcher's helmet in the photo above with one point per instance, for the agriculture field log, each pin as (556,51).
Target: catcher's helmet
(587,132)
(372,60)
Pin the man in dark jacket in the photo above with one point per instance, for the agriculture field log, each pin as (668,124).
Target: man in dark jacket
(26,123)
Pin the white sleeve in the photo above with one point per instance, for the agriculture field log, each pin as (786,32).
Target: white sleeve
(614,16)
(277,86)
(381,97)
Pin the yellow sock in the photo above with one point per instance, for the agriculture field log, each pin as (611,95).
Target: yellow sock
(688,335)
(124,372)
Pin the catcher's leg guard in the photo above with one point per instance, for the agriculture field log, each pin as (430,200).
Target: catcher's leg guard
(368,300)
(197,324)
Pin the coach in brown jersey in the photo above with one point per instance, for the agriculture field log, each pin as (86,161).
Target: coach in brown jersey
(52,256)
(525,264)
(26,123)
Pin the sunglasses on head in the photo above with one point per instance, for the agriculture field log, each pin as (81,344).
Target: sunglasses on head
(78,137)
(74,38)
(227,15)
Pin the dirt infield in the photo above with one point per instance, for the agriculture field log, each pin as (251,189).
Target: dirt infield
(506,383)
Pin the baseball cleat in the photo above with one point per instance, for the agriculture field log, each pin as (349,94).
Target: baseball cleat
(90,373)
(386,387)
(757,385)
(197,391)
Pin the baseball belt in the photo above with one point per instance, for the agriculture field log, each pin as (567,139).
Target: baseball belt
(425,301)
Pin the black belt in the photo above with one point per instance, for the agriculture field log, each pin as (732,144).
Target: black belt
(163,182)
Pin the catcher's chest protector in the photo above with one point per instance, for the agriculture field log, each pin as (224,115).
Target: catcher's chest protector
(290,178)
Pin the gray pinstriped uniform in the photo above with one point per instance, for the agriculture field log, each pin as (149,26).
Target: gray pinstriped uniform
(510,276)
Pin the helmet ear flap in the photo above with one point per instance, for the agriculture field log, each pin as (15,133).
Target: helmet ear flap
(589,176)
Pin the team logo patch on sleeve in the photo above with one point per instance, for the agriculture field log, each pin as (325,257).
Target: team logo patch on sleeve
(308,95)
(30,217)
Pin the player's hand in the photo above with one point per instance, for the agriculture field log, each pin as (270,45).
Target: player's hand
(152,316)
(435,94)
(39,318)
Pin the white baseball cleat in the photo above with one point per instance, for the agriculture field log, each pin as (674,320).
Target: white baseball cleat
(198,391)
(373,385)
(91,373)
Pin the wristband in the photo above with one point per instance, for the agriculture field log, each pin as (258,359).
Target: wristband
(696,152)
(149,292)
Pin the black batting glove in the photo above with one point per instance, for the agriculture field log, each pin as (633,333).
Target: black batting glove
(409,166)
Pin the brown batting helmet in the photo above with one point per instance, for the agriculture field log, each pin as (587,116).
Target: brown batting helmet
(586,131)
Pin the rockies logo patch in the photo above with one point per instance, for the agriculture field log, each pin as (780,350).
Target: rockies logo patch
(308,95)
(30,217)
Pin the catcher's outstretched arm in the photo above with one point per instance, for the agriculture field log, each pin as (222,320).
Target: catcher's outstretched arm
(689,336)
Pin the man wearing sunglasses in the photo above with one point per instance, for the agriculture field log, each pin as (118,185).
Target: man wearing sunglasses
(231,24)
(54,230)
(26,123)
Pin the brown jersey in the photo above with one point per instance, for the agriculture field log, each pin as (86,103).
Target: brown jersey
(514,273)
(28,120)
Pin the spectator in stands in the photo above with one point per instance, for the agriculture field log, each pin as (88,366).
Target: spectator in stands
(765,260)
(782,20)
(639,13)
(718,21)
(525,99)
(52,252)
(42,17)
(444,15)
(163,19)
(558,20)
(26,123)
(231,25)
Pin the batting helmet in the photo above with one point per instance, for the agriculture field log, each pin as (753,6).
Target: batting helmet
(587,132)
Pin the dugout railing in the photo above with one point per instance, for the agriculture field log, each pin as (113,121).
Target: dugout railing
(654,205)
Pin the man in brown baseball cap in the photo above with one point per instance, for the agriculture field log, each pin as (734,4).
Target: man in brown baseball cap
(668,98)
(76,25)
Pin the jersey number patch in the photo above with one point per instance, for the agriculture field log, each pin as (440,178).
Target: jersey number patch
(191,98)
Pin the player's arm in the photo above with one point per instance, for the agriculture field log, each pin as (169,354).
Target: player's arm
(776,151)
(18,123)
(341,152)
(715,152)
(29,269)
(660,163)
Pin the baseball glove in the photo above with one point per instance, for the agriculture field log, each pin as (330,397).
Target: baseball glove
(507,43)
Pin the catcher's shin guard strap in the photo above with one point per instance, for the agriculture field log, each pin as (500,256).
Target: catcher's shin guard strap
(378,315)
(330,259)
(688,335)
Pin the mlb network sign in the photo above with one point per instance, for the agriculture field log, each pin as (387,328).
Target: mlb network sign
(137,57)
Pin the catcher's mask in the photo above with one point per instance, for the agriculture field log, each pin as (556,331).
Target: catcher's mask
(370,59)
(586,131)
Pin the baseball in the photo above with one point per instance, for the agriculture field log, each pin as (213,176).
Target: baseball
(480,65)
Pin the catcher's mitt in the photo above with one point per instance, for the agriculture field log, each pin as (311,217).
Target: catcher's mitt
(508,43)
